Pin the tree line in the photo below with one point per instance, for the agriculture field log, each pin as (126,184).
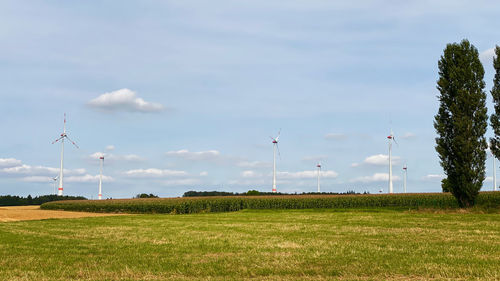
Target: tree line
(192,193)
(9,200)
(462,120)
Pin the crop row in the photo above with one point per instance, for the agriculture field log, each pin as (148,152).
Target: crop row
(227,204)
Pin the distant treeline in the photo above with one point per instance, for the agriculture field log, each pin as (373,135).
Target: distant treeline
(8,200)
(258,193)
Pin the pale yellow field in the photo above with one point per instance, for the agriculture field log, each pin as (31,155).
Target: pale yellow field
(21,213)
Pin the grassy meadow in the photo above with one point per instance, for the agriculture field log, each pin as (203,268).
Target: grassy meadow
(318,244)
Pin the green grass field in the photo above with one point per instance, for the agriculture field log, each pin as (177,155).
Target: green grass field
(256,244)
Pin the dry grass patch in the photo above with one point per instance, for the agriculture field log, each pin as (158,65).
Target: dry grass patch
(23,213)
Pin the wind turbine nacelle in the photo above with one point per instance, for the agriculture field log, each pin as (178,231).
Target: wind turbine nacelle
(274,141)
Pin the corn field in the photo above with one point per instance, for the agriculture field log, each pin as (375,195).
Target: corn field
(234,203)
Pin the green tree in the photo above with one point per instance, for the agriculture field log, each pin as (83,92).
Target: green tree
(495,117)
(461,121)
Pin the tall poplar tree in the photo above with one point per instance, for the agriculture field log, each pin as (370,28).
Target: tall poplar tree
(461,121)
(495,117)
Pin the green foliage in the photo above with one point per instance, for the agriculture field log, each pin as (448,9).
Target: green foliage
(234,203)
(207,193)
(461,121)
(145,195)
(253,192)
(495,117)
(9,200)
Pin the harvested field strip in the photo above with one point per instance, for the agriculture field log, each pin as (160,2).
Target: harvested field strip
(22,213)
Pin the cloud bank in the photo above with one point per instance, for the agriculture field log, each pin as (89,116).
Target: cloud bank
(124,100)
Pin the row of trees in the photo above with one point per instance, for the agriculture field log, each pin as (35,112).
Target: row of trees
(260,193)
(462,120)
(9,200)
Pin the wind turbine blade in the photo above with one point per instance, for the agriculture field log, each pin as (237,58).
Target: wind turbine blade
(57,140)
(72,142)
(278,147)
(279,133)
(394,139)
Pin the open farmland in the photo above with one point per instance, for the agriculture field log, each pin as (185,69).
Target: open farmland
(256,245)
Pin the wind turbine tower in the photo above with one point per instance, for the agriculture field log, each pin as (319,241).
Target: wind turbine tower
(61,138)
(391,139)
(100,178)
(494,173)
(319,173)
(275,147)
(405,171)
(55,183)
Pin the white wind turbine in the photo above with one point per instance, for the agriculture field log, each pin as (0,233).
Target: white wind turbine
(61,138)
(391,139)
(275,147)
(319,173)
(405,172)
(100,178)
(494,169)
(55,180)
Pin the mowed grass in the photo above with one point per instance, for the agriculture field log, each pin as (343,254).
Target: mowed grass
(256,244)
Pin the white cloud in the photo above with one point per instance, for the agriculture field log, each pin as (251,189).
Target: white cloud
(82,178)
(487,56)
(124,100)
(38,179)
(335,136)
(408,136)
(307,174)
(203,174)
(9,162)
(433,177)
(377,177)
(181,182)
(110,147)
(253,164)
(200,155)
(250,174)
(378,160)
(155,173)
(38,170)
(87,178)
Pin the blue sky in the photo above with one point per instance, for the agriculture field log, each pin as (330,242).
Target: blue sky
(183,95)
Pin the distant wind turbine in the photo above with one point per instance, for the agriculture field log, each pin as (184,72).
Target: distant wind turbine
(319,173)
(55,182)
(100,178)
(391,139)
(61,138)
(405,172)
(275,147)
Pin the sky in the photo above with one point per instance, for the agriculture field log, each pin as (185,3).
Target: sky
(185,95)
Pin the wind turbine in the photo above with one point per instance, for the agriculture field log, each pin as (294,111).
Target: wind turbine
(405,171)
(319,173)
(494,174)
(494,171)
(391,139)
(275,147)
(100,178)
(55,180)
(61,138)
